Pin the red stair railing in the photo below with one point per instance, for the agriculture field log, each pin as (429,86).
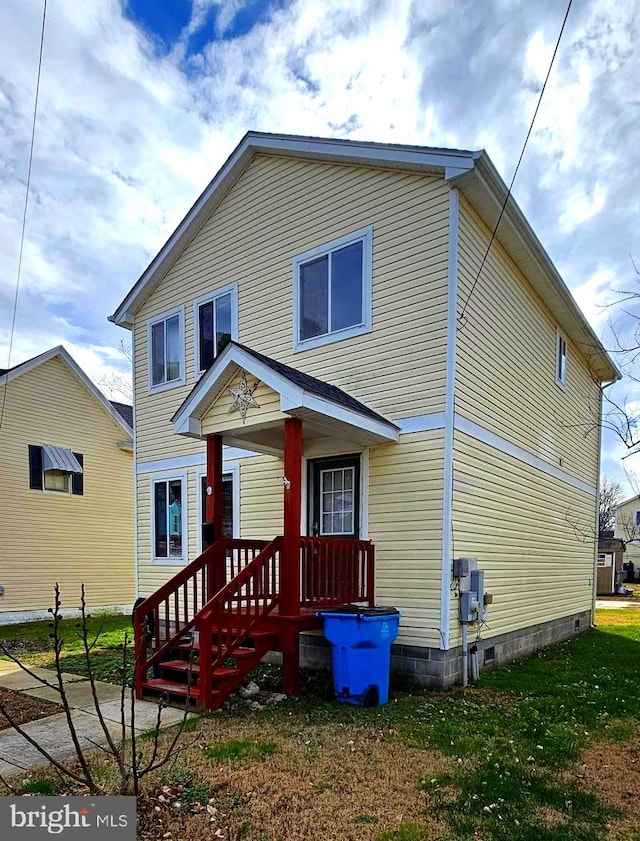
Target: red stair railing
(171,611)
(335,571)
(235,612)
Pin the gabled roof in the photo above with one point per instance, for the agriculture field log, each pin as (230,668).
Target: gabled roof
(470,171)
(9,374)
(300,396)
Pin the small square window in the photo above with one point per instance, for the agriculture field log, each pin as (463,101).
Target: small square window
(215,319)
(561,360)
(332,291)
(166,351)
(57,480)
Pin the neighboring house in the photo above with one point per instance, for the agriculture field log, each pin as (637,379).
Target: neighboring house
(66,465)
(321,313)
(628,530)
(611,560)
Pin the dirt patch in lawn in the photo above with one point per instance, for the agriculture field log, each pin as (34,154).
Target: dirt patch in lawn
(22,708)
(310,785)
(612,769)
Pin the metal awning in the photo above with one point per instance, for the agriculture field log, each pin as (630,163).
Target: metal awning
(59,458)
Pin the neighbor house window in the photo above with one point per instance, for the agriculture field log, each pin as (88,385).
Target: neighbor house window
(168,519)
(58,469)
(216,323)
(561,360)
(166,343)
(332,291)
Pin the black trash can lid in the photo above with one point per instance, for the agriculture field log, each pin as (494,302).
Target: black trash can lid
(359,610)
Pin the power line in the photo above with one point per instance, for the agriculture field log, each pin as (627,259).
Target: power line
(24,213)
(524,146)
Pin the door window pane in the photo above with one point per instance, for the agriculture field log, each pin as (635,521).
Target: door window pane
(227,503)
(346,287)
(223,322)
(337,504)
(205,315)
(314,298)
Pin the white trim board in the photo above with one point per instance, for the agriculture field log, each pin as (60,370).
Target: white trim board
(449,419)
(478,432)
(229,454)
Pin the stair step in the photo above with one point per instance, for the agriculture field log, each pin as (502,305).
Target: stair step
(180,666)
(222,672)
(263,636)
(161,685)
(240,653)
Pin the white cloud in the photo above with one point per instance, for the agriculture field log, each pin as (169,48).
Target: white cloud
(127,136)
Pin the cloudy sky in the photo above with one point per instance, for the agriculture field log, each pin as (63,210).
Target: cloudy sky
(142,100)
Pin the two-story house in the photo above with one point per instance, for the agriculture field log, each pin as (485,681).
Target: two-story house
(319,356)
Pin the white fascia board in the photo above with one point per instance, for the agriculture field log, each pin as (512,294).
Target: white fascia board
(347,151)
(30,364)
(70,362)
(385,430)
(200,398)
(187,420)
(355,151)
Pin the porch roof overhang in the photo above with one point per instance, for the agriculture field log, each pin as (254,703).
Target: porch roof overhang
(326,410)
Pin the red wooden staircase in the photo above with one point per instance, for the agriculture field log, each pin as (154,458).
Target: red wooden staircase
(201,634)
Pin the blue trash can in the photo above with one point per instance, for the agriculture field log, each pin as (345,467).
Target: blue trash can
(361,639)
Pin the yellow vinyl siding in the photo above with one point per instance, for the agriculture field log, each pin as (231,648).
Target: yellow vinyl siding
(261,511)
(520,524)
(281,207)
(506,362)
(53,537)
(405,524)
(222,417)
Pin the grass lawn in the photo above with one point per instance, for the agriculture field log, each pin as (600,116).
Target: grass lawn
(31,643)
(546,749)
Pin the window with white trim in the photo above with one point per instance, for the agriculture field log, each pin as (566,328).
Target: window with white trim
(337,501)
(216,323)
(166,350)
(605,560)
(561,360)
(168,520)
(332,291)
(637,518)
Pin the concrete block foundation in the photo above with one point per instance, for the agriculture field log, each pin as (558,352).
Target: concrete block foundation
(431,667)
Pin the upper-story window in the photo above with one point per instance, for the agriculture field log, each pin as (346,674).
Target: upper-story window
(332,291)
(215,319)
(561,360)
(166,350)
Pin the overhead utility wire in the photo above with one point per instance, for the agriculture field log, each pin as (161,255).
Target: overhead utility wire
(524,146)
(24,213)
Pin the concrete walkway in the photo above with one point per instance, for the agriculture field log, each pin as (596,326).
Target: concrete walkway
(616,604)
(16,754)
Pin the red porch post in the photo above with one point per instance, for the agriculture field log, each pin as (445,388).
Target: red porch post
(290,556)
(214,507)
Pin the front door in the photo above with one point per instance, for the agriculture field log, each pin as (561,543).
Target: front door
(334,497)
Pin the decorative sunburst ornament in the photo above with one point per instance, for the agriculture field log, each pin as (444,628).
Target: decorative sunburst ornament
(243,398)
